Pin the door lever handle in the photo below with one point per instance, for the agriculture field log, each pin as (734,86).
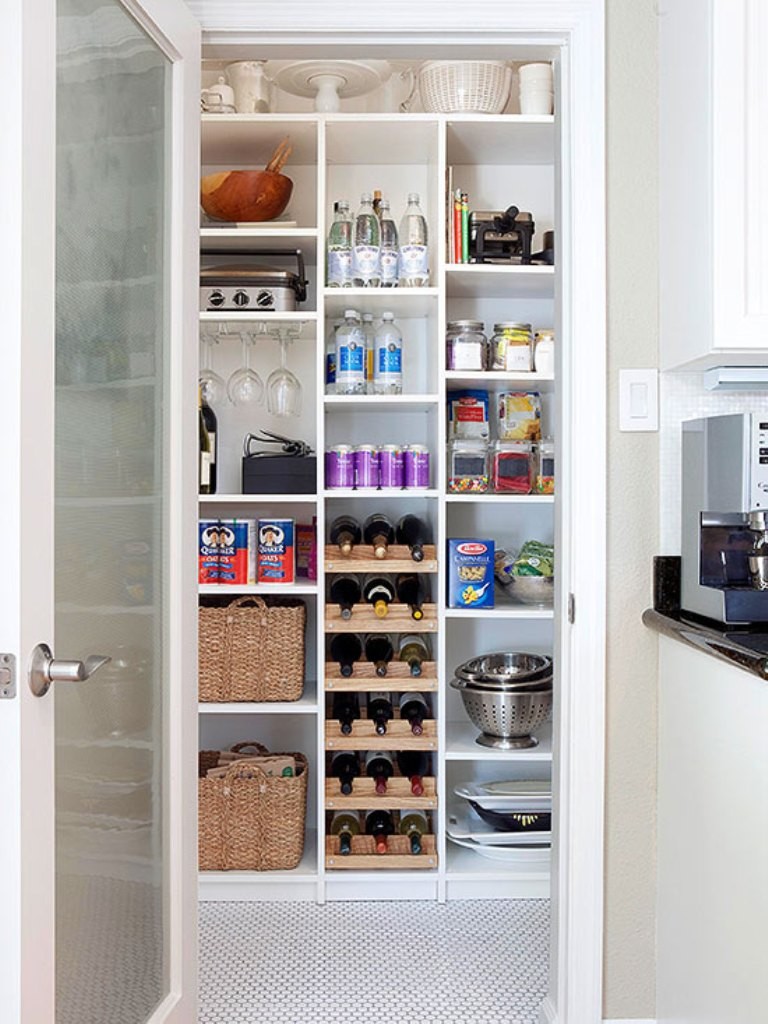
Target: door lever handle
(44,669)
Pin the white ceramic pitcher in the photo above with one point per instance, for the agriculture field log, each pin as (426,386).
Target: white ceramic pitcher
(252,86)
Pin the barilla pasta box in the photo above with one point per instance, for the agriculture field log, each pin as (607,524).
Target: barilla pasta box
(277,551)
(227,551)
(470,573)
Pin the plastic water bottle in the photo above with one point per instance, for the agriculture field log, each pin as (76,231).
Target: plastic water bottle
(388,360)
(330,358)
(366,253)
(340,248)
(350,355)
(370,343)
(414,251)
(390,256)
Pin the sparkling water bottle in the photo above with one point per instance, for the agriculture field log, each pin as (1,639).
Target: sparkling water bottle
(330,358)
(350,356)
(390,257)
(340,248)
(388,359)
(366,254)
(414,252)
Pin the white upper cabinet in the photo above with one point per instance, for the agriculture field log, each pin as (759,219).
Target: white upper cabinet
(713,182)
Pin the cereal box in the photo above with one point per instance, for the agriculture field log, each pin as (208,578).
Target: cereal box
(470,573)
(227,551)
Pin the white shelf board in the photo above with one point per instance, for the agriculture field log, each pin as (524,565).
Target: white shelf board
(257,499)
(492,280)
(269,235)
(503,499)
(306,705)
(464,865)
(460,745)
(235,322)
(235,885)
(276,589)
(403,302)
(403,403)
(498,381)
(248,140)
(505,609)
(374,492)
(499,139)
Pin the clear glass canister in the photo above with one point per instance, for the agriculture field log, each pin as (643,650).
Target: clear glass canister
(513,467)
(545,470)
(544,353)
(511,347)
(468,467)
(466,346)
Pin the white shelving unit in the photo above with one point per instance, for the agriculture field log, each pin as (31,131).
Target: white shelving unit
(499,160)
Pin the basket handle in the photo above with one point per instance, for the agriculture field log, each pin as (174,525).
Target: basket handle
(244,770)
(238,748)
(253,599)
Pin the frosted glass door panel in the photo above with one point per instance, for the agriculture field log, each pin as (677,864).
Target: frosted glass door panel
(113,122)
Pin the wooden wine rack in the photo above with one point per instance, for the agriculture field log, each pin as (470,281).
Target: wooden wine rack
(397,680)
(364,620)
(361,559)
(364,796)
(363,736)
(398,856)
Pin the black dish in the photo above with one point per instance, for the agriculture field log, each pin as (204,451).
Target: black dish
(515,821)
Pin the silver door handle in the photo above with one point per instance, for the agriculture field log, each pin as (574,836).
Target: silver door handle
(44,669)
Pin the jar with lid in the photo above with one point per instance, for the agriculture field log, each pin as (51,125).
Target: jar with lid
(511,347)
(545,470)
(513,467)
(544,353)
(466,346)
(468,467)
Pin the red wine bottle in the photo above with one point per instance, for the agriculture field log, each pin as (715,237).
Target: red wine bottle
(409,591)
(346,649)
(414,708)
(346,709)
(345,533)
(380,766)
(414,532)
(345,767)
(379,532)
(414,765)
(380,711)
(380,825)
(345,592)
(379,651)
(378,591)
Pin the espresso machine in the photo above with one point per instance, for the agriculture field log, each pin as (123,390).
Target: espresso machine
(725,518)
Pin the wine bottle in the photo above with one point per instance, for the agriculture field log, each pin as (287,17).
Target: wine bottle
(414,532)
(414,765)
(346,709)
(380,766)
(409,591)
(346,649)
(380,825)
(345,592)
(204,452)
(209,417)
(345,767)
(379,711)
(379,651)
(345,824)
(413,649)
(414,708)
(345,533)
(378,591)
(379,532)
(413,824)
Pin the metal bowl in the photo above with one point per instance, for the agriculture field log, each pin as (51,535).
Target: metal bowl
(532,589)
(505,718)
(506,668)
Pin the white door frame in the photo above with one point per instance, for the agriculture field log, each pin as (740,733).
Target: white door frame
(575,995)
(27,208)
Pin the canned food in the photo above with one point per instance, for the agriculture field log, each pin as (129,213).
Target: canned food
(340,466)
(366,459)
(391,473)
(276,552)
(416,465)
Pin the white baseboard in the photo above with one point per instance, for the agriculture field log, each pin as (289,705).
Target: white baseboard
(548,1015)
(630,1020)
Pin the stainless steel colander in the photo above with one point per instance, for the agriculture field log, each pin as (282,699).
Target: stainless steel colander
(506,718)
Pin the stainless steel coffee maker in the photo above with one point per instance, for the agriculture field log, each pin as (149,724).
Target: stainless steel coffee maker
(725,518)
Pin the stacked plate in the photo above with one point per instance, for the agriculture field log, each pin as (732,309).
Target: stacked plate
(504,820)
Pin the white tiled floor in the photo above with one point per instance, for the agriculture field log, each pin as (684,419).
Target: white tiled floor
(394,963)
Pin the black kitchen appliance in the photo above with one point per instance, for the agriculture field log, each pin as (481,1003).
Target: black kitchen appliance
(291,469)
(249,284)
(501,237)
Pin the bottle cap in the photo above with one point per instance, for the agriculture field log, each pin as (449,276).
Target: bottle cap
(417,614)
(366,197)
(343,204)
(416,786)
(368,318)
(413,197)
(381,785)
(381,609)
(381,844)
(351,313)
(387,316)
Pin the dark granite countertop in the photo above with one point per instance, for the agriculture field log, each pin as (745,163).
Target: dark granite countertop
(747,649)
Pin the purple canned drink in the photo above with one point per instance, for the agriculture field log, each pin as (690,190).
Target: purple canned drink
(391,472)
(366,466)
(340,466)
(416,465)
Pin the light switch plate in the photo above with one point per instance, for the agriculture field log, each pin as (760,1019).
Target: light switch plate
(639,399)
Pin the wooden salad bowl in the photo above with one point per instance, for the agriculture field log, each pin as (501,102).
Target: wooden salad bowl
(248,195)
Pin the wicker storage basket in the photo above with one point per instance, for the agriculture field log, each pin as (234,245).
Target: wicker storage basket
(251,650)
(465,86)
(248,821)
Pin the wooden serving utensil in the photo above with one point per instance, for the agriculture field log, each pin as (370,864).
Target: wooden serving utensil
(249,195)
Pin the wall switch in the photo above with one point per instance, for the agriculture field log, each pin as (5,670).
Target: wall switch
(639,399)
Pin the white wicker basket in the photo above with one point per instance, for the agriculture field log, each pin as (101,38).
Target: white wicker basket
(465,86)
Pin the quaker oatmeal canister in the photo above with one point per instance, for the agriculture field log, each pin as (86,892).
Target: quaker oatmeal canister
(276,551)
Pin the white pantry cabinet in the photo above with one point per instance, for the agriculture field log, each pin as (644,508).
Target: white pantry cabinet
(713,108)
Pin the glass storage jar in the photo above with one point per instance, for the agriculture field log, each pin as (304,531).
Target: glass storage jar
(545,470)
(513,467)
(511,347)
(466,346)
(468,467)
